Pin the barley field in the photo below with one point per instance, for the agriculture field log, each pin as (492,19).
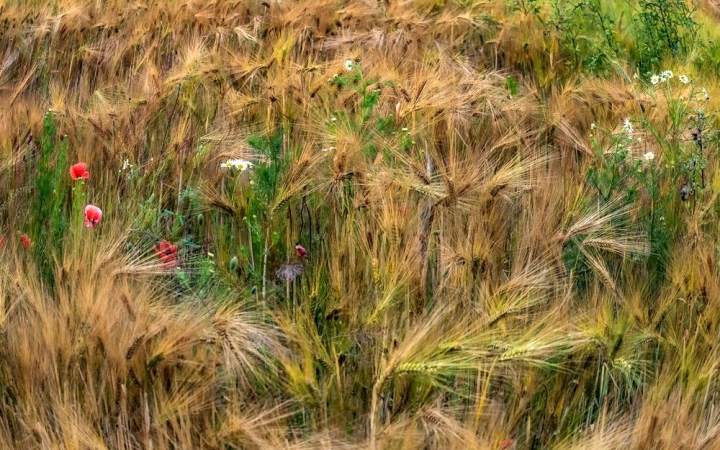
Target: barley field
(358,224)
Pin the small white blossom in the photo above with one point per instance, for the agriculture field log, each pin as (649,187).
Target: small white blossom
(649,156)
(239,164)
(592,126)
(654,79)
(705,93)
(334,119)
(405,128)
(627,126)
(667,74)
(349,65)
(684,79)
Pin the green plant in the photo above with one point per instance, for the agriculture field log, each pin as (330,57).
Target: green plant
(50,221)
(525,6)
(614,169)
(667,28)
(587,33)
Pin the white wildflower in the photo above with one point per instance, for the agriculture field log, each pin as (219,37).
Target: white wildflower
(705,93)
(239,164)
(349,65)
(334,119)
(667,74)
(649,156)
(654,79)
(627,126)
(592,126)
(684,79)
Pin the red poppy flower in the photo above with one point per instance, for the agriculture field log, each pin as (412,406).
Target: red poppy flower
(79,170)
(93,216)
(167,253)
(2,242)
(301,252)
(25,241)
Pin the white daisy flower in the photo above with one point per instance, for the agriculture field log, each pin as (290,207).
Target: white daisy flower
(684,79)
(649,156)
(349,65)
(239,164)
(654,79)
(667,74)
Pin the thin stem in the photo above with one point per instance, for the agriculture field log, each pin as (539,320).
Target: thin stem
(264,273)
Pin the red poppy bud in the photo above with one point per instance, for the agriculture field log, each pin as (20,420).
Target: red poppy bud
(25,241)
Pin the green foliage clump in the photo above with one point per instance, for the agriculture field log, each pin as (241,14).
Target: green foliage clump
(667,29)
(51,219)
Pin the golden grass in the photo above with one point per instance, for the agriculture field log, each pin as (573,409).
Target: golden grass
(464,289)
